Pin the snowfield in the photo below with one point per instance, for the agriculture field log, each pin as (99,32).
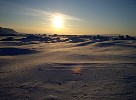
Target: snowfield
(88,70)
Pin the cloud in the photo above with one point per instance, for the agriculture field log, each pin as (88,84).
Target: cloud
(65,16)
(43,17)
(14,8)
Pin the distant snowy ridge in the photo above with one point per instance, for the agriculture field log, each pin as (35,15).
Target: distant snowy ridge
(7,32)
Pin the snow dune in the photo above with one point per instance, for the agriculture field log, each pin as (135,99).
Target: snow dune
(68,71)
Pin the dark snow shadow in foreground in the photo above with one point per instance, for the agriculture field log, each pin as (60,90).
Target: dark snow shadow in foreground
(15,51)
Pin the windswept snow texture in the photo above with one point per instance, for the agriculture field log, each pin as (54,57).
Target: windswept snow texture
(88,70)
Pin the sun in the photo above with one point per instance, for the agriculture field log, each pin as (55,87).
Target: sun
(58,22)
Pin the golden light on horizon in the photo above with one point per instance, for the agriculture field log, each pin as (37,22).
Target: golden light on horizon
(58,22)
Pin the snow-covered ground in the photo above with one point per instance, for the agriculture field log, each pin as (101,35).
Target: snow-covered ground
(68,71)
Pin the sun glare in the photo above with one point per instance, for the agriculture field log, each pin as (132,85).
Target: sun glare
(58,22)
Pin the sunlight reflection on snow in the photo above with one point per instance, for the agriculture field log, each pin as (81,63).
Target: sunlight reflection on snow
(77,69)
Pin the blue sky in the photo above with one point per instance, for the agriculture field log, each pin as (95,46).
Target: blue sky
(80,16)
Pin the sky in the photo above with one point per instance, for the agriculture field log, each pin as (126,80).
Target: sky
(76,16)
